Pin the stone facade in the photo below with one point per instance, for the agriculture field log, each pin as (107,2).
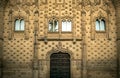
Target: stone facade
(0,55)
(2,6)
(117,7)
(27,54)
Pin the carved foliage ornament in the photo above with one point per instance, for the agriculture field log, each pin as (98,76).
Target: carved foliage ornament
(91,2)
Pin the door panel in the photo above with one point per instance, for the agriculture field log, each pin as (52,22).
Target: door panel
(60,65)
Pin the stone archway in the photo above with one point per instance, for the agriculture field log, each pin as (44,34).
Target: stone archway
(60,65)
(61,51)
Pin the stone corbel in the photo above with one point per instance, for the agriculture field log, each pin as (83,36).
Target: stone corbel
(45,40)
(74,40)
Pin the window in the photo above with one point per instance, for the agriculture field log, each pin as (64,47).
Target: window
(53,26)
(100,25)
(19,25)
(66,26)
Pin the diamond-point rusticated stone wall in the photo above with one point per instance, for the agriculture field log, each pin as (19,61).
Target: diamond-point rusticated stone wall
(117,8)
(1,36)
(27,54)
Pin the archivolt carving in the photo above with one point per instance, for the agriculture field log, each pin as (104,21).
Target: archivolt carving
(88,2)
(101,15)
(95,2)
(21,2)
(59,48)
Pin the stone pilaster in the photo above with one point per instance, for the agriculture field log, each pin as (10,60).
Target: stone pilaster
(1,39)
(35,60)
(117,8)
(84,52)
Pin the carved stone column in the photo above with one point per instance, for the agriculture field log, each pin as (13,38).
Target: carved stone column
(35,58)
(35,68)
(1,38)
(84,52)
(10,25)
(117,8)
(92,25)
(0,58)
(27,26)
(108,22)
(27,31)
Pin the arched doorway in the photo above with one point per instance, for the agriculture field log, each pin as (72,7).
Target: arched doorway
(60,65)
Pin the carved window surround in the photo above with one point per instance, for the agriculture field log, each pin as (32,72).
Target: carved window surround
(13,15)
(60,35)
(103,16)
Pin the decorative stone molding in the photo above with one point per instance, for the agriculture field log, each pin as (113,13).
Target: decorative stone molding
(13,15)
(27,25)
(84,52)
(100,14)
(59,49)
(36,14)
(10,25)
(88,2)
(47,19)
(59,1)
(59,33)
(83,22)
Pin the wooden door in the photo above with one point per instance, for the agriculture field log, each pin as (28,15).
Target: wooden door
(60,65)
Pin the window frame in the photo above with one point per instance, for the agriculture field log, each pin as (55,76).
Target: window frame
(60,25)
(100,25)
(20,23)
(53,20)
(70,28)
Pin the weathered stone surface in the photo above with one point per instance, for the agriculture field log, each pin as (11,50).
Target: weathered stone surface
(27,54)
